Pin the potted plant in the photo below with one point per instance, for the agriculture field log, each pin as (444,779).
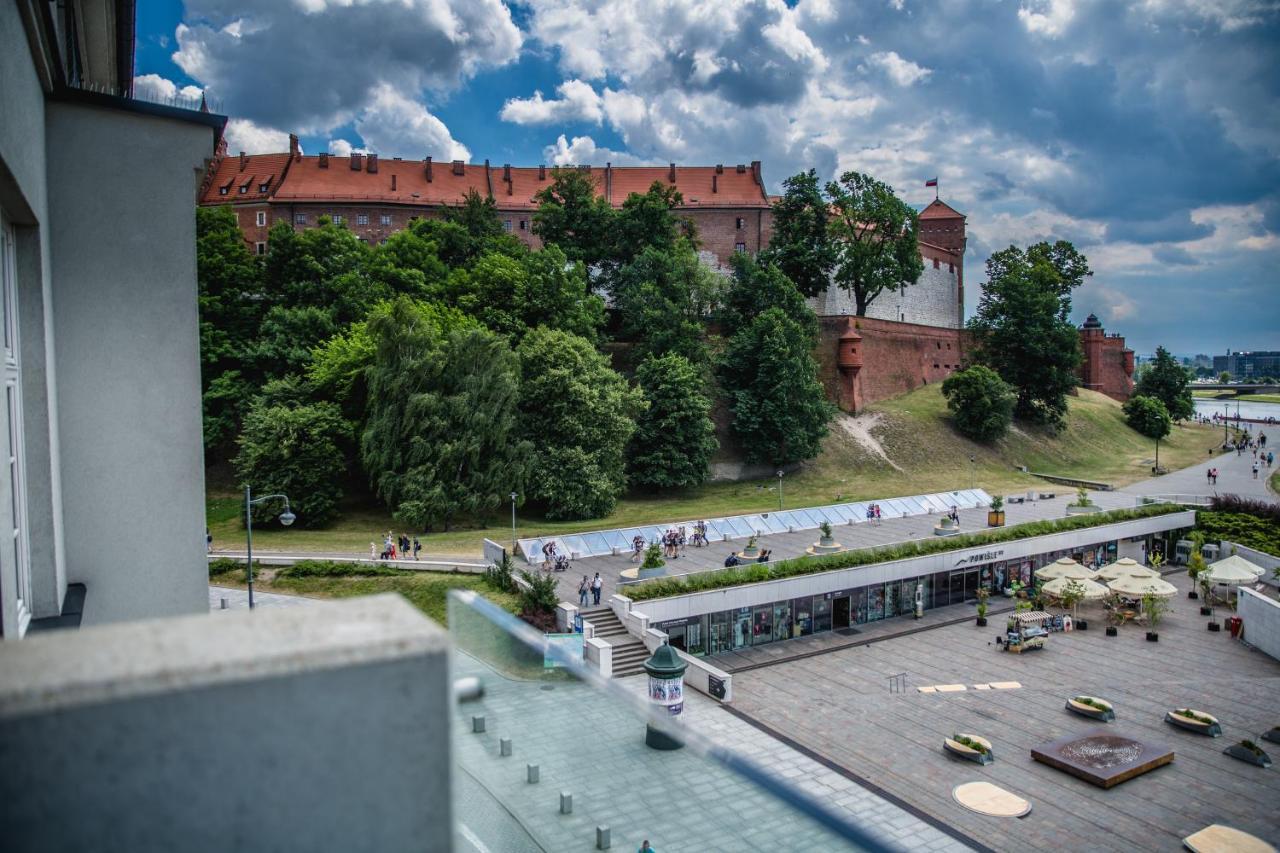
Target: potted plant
(983,595)
(1013,589)
(752,550)
(1248,752)
(1092,707)
(826,543)
(653,564)
(1115,613)
(1071,596)
(826,539)
(1195,564)
(969,747)
(1194,721)
(1081,505)
(1153,607)
(995,516)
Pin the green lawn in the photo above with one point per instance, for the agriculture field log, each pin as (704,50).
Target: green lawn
(913,430)
(425,590)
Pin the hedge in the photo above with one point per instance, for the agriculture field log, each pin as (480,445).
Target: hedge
(331,569)
(757,572)
(1261,534)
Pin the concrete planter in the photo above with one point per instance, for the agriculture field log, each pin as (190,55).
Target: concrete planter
(977,756)
(825,545)
(1105,714)
(1248,756)
(1083,510)
(1211,728)
(655,572)
(1273,734)
(946,527)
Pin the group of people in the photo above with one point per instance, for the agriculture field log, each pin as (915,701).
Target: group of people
(873,514)
(734,560)
(591,587)
(552,559)
(1212,475)
(402,547)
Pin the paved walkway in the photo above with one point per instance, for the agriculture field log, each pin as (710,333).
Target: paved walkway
(425,563)
(1235,477)
(238,599)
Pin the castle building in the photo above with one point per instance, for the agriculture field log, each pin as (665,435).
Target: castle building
(1108,363)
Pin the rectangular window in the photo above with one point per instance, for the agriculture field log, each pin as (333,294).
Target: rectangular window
(385,219)
(337,219)
(263,187)
(222,190)
(741,223)
(260,248)
(262,217)
(244,189)
(524,225)
(739,247)
(299,219)
(506,225)
(362,219)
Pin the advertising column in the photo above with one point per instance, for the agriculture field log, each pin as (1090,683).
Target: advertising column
(666,691)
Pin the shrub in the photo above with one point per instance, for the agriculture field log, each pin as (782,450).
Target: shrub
(539,598)
(1248,506)
(981,403)
(1148,416)
(332,569)
(1244,528)
(498,575)
(756,572)
(653,558)
(223,566)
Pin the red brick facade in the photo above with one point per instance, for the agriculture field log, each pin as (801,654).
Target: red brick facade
(1108,363)
(862,360)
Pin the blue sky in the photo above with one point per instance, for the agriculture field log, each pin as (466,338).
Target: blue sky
(1146,132)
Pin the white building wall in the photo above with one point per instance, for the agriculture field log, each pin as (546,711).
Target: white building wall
(126,343)
(934,300)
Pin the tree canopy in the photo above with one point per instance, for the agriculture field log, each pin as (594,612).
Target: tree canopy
(1021,330)
(573,215)
(1167,381)
(981,403)
(1148,416)
(801,245)
(874,236)
(675,438)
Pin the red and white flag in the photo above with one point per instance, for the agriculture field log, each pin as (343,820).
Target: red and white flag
(932,182)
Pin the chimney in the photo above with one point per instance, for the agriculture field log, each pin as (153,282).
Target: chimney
(671,173)
(715,183)
(429,170)
(742,170)
(355,161)
(755,172)
(719,168)
(324,160)
(372,160)
(244,160)
(542,172)
(506,172)
(393,183)
(294,152)
(458,167)
(608,182)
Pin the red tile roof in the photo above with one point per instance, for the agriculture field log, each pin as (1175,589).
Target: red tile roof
(258,169)
(939,209)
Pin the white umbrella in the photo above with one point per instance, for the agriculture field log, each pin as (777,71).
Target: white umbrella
(1091,589)
(1064,567)
(1125,567)
(1132,587)
(1232,571)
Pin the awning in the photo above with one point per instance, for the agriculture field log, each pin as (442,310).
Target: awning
(1032,616)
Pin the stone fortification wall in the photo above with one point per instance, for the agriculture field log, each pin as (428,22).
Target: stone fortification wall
(934,300)
(865,359)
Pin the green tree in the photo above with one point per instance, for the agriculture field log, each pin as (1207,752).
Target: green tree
(647,220)
(573,215)
(287,336)
(439,439)
(801,246)
(981,403)
(780,411)
(1021,328)
(513,293)
(874,236)
(294,448)
(478,215)
(1168,382)
(757,286)
(580,415)
(1148,416)
(663,298)
(322,267)
(675,438)
(1224,377)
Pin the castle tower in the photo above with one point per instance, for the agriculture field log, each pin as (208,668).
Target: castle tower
(942,226)
(1092,339)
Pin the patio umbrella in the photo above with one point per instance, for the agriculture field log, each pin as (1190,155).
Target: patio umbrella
(1232,571)
(1125,567)
(1132,587)
(1064,567)
(1090,590)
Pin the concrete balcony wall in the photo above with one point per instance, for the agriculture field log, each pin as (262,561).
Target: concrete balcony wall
(316,728)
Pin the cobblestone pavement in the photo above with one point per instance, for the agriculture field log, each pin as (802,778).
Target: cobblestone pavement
(838,705)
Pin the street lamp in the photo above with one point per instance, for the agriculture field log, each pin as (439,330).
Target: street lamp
(973,467)
(513,524)
(779,490)
(286,518)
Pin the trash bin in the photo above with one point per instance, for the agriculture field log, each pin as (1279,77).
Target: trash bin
(1233,624)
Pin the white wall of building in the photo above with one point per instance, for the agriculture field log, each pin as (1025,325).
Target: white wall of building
(934,300)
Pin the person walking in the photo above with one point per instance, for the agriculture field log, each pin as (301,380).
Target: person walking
(1255,470)
(645,848)
(373,550)
(597,586)
(637,547)
(417,546)
(208,541)
(583,589)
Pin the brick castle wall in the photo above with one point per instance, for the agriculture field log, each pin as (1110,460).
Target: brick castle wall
(1108,364)
(884,358)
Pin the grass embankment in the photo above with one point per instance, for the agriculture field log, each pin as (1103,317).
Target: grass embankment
(425,590)
(913,430)
(1233,395)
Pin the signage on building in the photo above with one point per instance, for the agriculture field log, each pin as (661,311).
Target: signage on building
(715,686)
(984,557)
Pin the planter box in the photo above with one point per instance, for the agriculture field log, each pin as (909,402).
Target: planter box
(956,748)
(1153,637)
(1193,595)
(643,573)
(1212,729)
(982,621)
(1082,625)
(1248,756)
(1215,627)
(1206,611)
(1105,715)
(1111,631)
(995,518)
(1083,510)
(1273,735)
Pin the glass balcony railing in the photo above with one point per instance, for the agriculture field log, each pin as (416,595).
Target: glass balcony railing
(541,715)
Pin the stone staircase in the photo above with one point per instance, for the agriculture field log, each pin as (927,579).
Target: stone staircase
(628,653)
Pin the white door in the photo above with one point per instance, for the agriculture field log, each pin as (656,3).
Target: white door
(15,564)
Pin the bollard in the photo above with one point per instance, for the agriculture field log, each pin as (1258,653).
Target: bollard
(504,746)
(467,689)
(531,773)
(566,802)
(224,603)
(477,724)
(602,838)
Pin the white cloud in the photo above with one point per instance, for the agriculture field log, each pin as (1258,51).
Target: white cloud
(344,148)
(153,87)
(582,151)
(1048,17)
(901,71)
(1229,15)
(244,135)
(393,124)
(577,102)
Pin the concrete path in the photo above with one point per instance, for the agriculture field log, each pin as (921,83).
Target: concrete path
(1235,477)
(425,562)
(238,599)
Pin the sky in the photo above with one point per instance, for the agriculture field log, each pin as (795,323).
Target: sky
(1146,132)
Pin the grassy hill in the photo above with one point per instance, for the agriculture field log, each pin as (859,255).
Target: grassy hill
(921,453)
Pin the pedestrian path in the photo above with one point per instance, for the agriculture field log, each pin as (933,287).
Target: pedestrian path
(238,599)
(1235,477)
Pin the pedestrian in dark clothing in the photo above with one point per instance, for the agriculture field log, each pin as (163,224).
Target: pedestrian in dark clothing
(417,546)
(597,586)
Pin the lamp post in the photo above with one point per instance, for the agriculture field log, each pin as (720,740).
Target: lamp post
(513,524)
(286,518)
(973,468)
(1226,407)
(779,490)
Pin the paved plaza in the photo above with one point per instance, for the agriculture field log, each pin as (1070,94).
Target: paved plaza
(839,706)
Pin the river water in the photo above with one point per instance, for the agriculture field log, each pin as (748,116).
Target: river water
(1247,409)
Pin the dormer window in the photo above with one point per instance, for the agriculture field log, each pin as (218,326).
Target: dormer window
(263,187)
(222,190)
(244,189)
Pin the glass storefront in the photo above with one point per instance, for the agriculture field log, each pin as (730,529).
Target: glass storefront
(726,630)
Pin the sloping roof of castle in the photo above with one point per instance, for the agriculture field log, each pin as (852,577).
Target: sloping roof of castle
(939,209)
